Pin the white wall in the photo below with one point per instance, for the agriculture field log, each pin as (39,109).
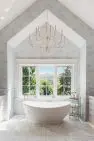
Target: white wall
(83,81)
(11,83)
(24,50)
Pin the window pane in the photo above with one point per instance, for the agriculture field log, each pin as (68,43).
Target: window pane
(67,71)
(46,74)
(32,70)
(33,90)
(25,90)
(25,81)
(60,90)
(46,69)
(60,80)
(64,80)
(33,80)
(33,85)
(25,71)
(67,81)
(42,89)
(46,89)
(29,80)
(67,91)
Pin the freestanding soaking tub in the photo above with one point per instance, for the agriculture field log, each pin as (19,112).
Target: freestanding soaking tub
(46,112)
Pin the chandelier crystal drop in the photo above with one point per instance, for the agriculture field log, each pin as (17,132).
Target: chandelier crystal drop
(47,37)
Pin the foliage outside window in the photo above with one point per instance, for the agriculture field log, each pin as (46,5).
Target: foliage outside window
(46,80)
(47,76)
(64,80)
(29,81)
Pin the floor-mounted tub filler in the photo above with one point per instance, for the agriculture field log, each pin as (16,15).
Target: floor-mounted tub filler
(46,112)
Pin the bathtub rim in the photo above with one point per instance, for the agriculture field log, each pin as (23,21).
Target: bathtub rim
(61,104)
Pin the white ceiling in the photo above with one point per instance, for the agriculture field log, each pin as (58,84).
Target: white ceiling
(82,8)
(9,9)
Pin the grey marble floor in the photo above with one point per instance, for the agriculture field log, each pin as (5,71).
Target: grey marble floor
(19,129)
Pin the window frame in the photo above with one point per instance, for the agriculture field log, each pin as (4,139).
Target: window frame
(44,62)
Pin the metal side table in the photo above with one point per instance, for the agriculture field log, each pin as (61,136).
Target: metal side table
(75,110)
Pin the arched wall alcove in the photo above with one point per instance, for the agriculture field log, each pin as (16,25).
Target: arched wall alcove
(23,34)
(65,15)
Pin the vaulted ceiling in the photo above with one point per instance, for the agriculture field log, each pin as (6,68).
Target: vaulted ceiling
(12,8)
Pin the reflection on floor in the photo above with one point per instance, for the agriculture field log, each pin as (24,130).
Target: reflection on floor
(19,129)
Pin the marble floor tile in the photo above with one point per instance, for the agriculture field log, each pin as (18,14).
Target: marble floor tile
(19,129)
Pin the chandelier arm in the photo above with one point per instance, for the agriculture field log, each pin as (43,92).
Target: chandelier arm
(60,45)
(30,40)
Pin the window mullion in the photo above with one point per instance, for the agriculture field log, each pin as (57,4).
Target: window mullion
(29,80)
(72,79)
(37,82)
(55,82)
(64,85)
(20,80)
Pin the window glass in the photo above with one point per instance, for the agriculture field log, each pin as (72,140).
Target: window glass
(64,80)
(29,80)
(46,74)
(61,75)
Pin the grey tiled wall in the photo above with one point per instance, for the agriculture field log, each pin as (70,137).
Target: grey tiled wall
(64,14)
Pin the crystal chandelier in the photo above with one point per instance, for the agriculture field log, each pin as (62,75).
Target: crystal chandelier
(47,37)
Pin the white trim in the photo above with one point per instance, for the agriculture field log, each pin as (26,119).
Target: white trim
(46,61)
(55,82)
(73,88)
(37,82)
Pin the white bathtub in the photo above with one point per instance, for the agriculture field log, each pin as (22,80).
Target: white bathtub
(46,112)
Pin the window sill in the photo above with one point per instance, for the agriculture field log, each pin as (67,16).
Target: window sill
(43,98)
